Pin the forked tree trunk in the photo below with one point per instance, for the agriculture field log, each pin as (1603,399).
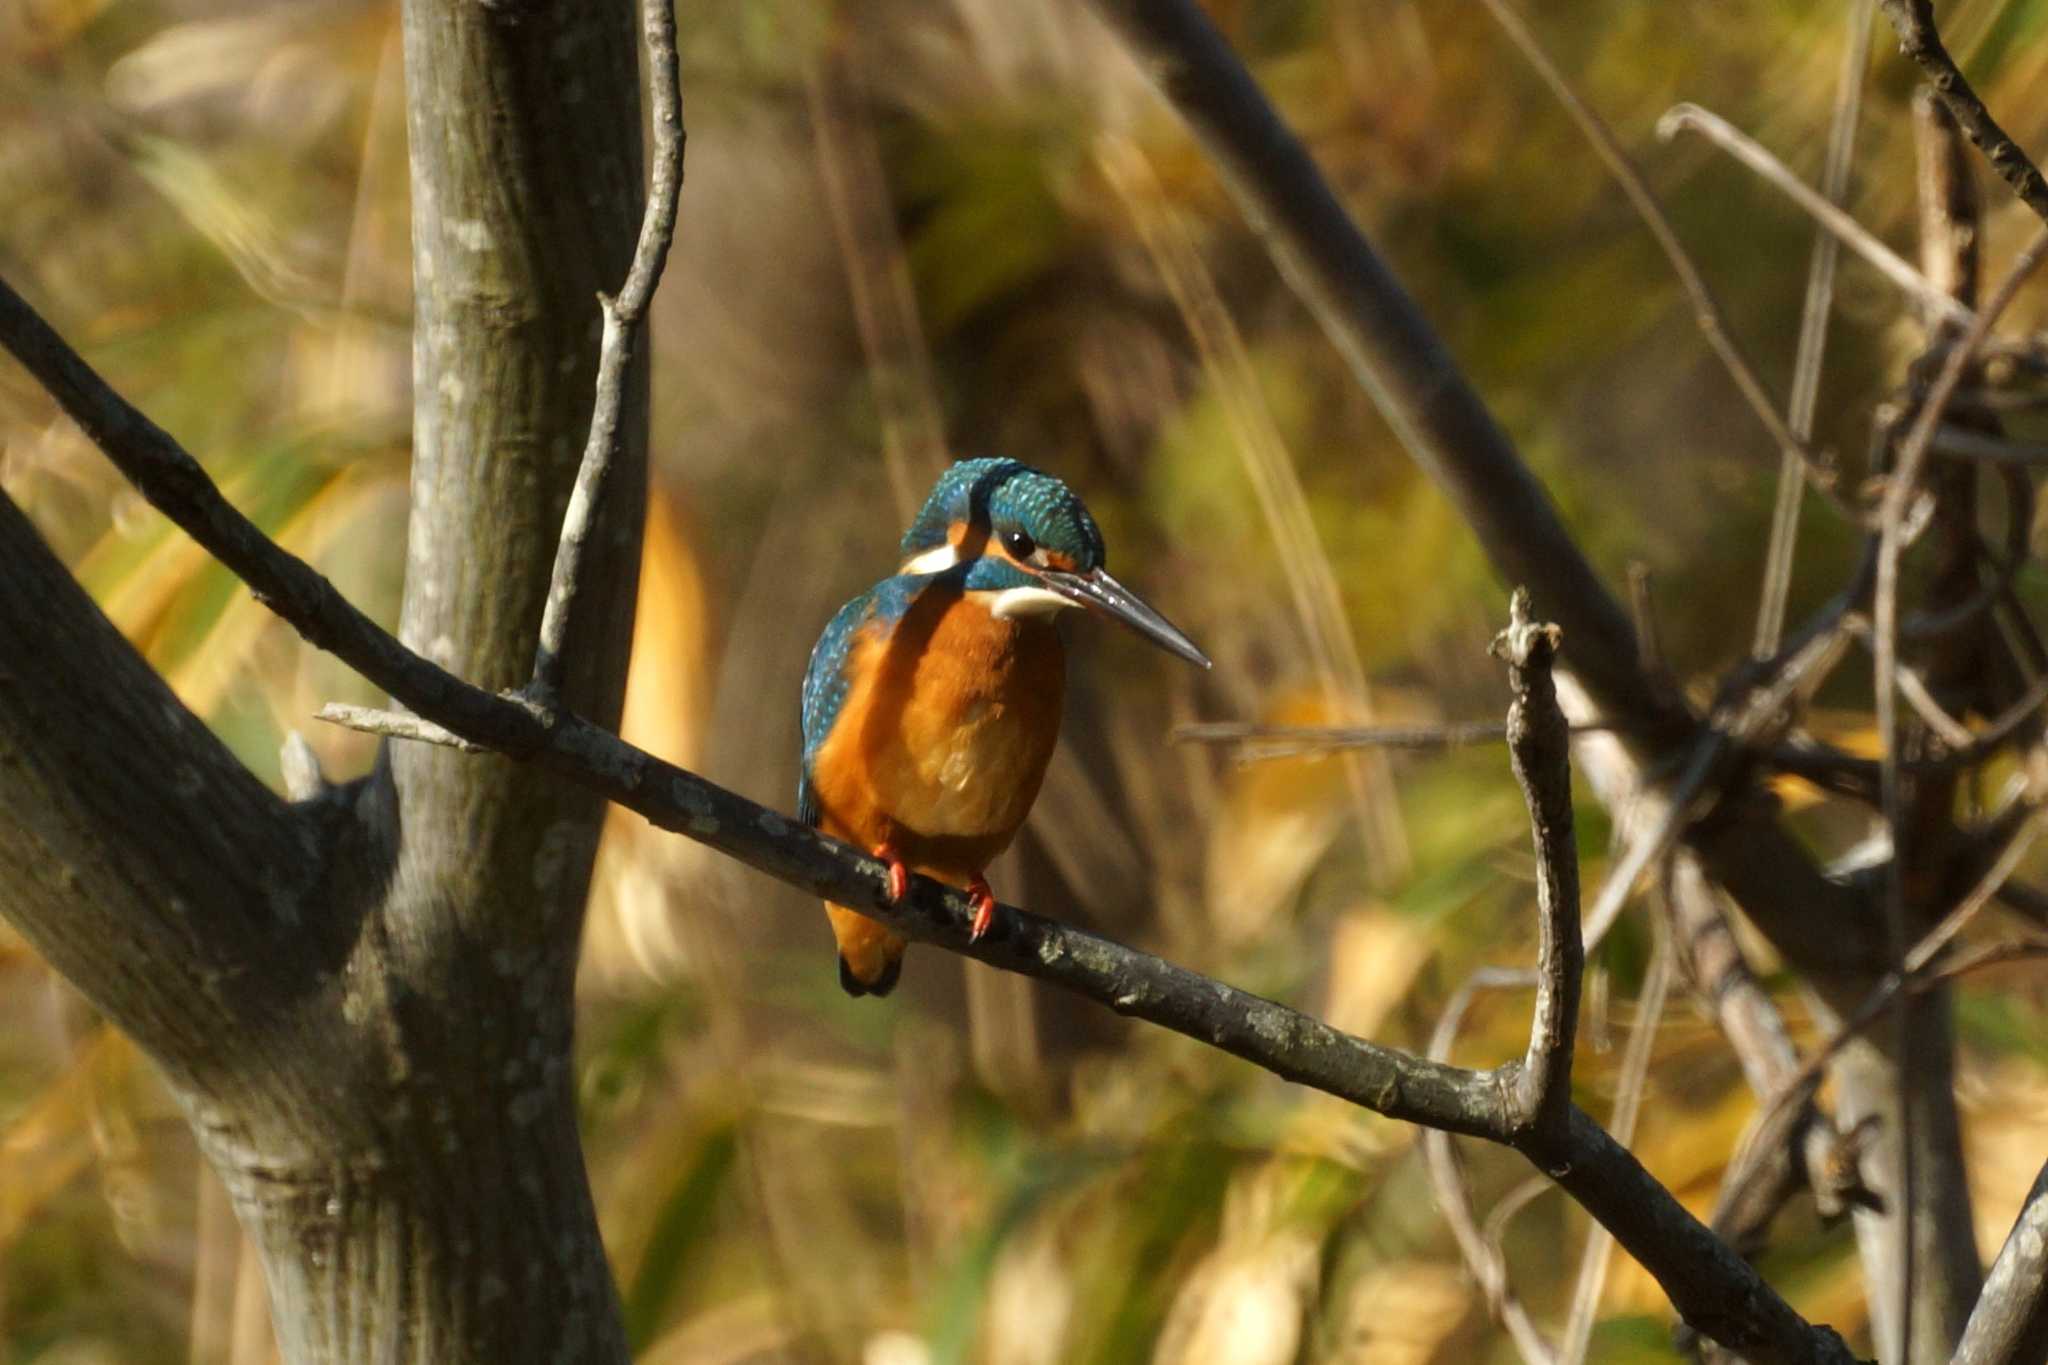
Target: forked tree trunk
(363,1001)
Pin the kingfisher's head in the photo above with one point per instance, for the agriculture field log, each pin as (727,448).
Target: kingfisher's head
(1026,539)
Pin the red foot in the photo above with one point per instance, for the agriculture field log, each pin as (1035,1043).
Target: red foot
(899,875)
(984,909)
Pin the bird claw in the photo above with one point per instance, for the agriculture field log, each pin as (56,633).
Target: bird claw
(984,909)
(899,875)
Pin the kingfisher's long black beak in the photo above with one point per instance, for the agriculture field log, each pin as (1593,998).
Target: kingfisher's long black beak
(1097,591)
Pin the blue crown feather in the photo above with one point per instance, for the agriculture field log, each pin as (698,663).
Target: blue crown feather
(1000,495)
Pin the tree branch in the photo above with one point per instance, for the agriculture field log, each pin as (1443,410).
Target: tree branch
(2009,1325)
(165,474)
(1539,747)
(624,324)
(139,856)
(1920,41)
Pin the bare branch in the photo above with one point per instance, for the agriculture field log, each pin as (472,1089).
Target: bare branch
(137,855)
(1290,741)
(1914,688)
(624,322)
(1483,1255)
(1950,439)
(173,482)
(1539,747)
(2009,1326)
(1401,362)
(1261,743)
(1808,360)
(1635,1068)
(1899,493)
(1920,41)
(299,766)
(1735,725)
(372,720)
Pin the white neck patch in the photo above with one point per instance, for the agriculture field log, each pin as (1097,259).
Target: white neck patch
(1011,603)
(938,559)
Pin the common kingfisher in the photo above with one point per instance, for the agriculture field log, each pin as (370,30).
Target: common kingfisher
(932,701)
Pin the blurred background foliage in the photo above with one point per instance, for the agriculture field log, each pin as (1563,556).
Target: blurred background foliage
(910,229)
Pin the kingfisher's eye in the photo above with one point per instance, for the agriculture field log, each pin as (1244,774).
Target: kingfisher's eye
(1020,545)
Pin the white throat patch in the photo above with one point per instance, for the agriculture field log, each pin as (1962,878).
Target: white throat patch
(1019,602)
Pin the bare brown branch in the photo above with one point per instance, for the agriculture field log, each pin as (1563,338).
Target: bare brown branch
(1539,747)
(624,327)
(2010,1323)
(1921,42)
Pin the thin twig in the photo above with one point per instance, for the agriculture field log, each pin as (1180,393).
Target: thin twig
(1924,703)
(1539,748)
(1813,334)
(1642,609)
(1964,443)
(1920,41)
(1628,1098)
(1706,312)
(1510,1206)
(1261,743)
(1279,741)
(1483,1254)
(1852,234)
(624,322)
(372,720)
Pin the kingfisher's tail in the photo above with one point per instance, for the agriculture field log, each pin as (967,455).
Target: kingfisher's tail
(870,954)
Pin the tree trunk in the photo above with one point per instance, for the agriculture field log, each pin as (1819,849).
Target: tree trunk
(364,1001)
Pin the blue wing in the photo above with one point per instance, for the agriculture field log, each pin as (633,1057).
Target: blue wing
(825,687)
(826,682)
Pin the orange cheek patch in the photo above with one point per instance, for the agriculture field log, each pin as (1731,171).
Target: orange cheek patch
(966,539)
(1064,563)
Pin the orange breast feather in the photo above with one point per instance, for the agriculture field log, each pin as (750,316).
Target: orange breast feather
(945,734)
